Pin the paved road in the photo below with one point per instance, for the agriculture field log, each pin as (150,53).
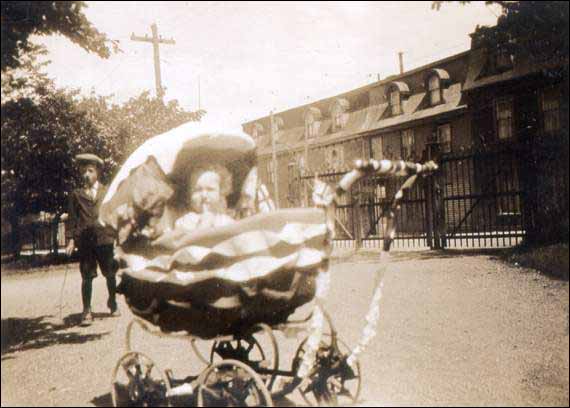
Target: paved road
(465,330)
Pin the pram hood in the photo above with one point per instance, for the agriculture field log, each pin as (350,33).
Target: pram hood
(211,281)
(179,150)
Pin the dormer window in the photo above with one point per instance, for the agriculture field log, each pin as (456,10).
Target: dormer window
(277,124)
(338,114)
(310,129)
(434,89)
(395,101)
(395,94)
(435,81)
(312,117)
(503,59)
(337,120)
(256,131)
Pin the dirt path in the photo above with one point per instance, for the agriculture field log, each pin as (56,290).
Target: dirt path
(465,330)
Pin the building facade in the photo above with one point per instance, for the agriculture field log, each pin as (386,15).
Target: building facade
(469,111)
(519,107)
(394,118)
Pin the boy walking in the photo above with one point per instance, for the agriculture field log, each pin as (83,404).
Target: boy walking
(93,242)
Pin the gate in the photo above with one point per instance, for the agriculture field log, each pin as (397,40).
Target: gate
(359,221)
(479,199)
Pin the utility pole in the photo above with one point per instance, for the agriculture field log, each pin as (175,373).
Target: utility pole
(306,201)
(155,40)
(274,159)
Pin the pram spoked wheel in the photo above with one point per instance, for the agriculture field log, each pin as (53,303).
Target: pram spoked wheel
(137,381)
(333,381)
(231,383)
(249,349)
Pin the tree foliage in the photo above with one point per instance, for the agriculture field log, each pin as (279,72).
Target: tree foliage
(21,19)
(39,139)
(126,126)
(43,128)
(28,80)
(534,30)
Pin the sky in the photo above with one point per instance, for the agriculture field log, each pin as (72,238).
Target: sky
(245,59)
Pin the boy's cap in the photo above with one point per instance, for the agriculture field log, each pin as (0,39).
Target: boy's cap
(89,158)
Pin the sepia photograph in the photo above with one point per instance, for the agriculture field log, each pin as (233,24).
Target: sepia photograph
(292,204)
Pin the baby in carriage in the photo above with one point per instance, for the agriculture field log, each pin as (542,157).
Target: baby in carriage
(150,213)
(208,188)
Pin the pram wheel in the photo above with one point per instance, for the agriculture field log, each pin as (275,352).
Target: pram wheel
(253,349)
(333,382)
(231,383)
(137,381)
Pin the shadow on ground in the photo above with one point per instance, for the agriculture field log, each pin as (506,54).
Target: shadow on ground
(364,255)
(36,263)
(21,334)
(105,400)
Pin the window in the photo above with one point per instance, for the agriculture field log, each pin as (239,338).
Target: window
(503,59)
(293,181)
(507,183)
(256,131)
(550,107)
(337,119)
(335,157)
(307,128)
(395,101)
(270,173)
(311,127)
(434,88)
(380,191)
(504,114)
(300,158)
(376,144)
(407,144)
(444,138)
(338,113)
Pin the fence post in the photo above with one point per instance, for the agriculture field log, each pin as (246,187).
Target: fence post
(430,204)
(439,211)
(34,237)
(435,206)
(428,192)
(356,216)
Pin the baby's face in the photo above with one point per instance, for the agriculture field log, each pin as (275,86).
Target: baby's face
(205,195)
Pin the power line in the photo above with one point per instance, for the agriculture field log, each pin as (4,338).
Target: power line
(108,75)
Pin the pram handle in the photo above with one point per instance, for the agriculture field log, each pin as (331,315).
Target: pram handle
(394,168)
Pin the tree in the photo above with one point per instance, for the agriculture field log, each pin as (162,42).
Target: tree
(43,128)
(126,126)
(28,80)
(535,30)
(21,19)
(39,139)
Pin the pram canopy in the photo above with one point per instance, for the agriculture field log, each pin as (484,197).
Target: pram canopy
(213,281)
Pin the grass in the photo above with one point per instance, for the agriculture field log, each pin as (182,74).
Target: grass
(552,260)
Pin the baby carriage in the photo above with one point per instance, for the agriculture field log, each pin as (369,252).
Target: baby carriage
(230,284)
